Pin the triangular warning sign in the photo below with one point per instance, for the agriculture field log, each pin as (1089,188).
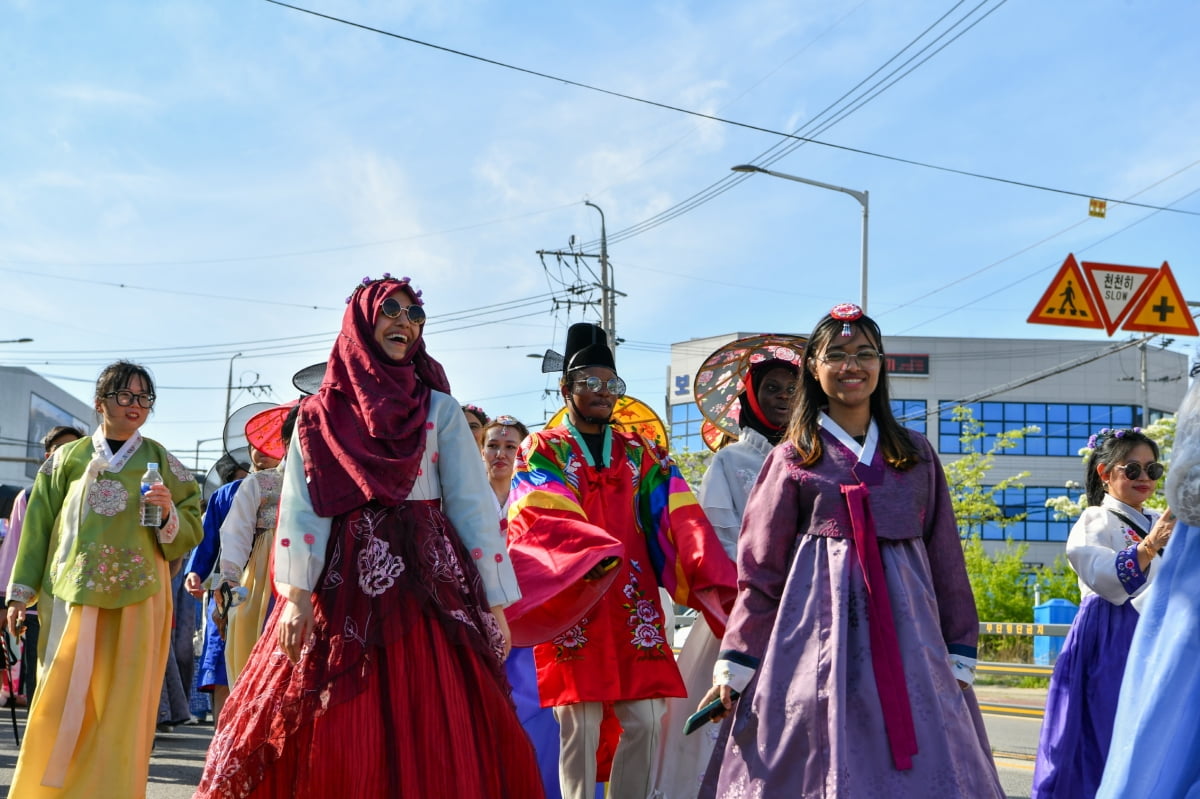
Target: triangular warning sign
(1066,301)
(1116,289)
(1162,308)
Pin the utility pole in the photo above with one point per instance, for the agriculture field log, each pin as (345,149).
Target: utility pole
(1145,386)
(608,293)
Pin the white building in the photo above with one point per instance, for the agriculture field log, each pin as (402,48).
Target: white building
(29,406)
(1068,389)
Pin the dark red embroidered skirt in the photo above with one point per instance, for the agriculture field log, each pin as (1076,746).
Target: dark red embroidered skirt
(400,692)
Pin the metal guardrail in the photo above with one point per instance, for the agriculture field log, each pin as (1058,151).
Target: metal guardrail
(685,619)
(1017,628)
(1017,669)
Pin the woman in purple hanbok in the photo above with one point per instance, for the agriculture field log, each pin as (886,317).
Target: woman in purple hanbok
(852,641)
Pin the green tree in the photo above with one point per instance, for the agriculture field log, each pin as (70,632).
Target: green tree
(974,502)
(1001,582)
(1057,581)
(692,465)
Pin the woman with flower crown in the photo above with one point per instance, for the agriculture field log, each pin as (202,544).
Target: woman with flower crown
(1155,749)
(852,639)
(381,670)
(1112,549)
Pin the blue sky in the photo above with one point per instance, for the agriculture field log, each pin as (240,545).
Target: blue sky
(183,181)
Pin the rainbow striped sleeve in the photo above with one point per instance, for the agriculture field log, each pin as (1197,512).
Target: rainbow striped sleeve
(684,550)
(542,484)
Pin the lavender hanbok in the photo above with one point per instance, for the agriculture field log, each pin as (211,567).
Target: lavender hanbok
(855,618)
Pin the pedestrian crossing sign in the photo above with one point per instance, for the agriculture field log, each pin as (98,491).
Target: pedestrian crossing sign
(1067,300)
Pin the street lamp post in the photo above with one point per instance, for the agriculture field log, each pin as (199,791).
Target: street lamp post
(608,315)
(863,198)
(200,441)
(229,386)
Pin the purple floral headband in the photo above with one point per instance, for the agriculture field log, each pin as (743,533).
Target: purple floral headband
(402,281)
(1106,433)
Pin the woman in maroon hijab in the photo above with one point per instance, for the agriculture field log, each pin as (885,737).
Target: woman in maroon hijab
(380,672)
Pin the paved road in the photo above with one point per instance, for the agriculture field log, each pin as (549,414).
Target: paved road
(174,767)
(179,756)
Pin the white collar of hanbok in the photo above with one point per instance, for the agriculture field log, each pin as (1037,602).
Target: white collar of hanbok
(1142,517)
(105,459)
(865,451)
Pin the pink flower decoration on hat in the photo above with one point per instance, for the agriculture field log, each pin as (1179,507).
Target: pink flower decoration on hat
(846,312)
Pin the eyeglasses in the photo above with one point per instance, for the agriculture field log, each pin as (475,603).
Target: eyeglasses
(866,357)
(126,398)
(1133,470)
(392,308)
(614,385)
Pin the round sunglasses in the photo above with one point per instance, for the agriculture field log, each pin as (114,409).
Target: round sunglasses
(613,385)
(392,308)
(1133,470)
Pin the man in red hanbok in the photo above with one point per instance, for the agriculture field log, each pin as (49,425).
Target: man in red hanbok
(586,480)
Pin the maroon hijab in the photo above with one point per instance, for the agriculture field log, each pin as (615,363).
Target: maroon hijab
(363,433)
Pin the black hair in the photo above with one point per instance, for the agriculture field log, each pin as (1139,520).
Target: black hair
(1112,448)
(289,425)
(477,412)
(804,431)
(117,376)
(51,438)
(522,430)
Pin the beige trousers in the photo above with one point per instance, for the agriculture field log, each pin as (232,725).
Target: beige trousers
(579,738)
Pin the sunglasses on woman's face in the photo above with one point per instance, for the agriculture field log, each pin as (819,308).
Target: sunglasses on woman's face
(1133,470)
(392,308)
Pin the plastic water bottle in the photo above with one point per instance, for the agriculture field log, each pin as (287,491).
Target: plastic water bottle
(151,514)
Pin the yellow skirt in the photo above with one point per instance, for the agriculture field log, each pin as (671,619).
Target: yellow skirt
(246,621)
(91,725)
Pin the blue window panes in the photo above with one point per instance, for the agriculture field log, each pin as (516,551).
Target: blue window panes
(1057,446)
(1035,413)
(1056,413)
(1122,416)
(1035,445)
(992,410)
(1080,413)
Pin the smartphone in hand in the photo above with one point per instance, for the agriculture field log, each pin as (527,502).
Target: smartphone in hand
(706,714)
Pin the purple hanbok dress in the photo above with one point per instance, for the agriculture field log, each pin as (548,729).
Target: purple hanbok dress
(1081,703)
(811,721)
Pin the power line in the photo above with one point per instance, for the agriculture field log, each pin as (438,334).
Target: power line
(713,118)
(1032,378)
(814,126)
